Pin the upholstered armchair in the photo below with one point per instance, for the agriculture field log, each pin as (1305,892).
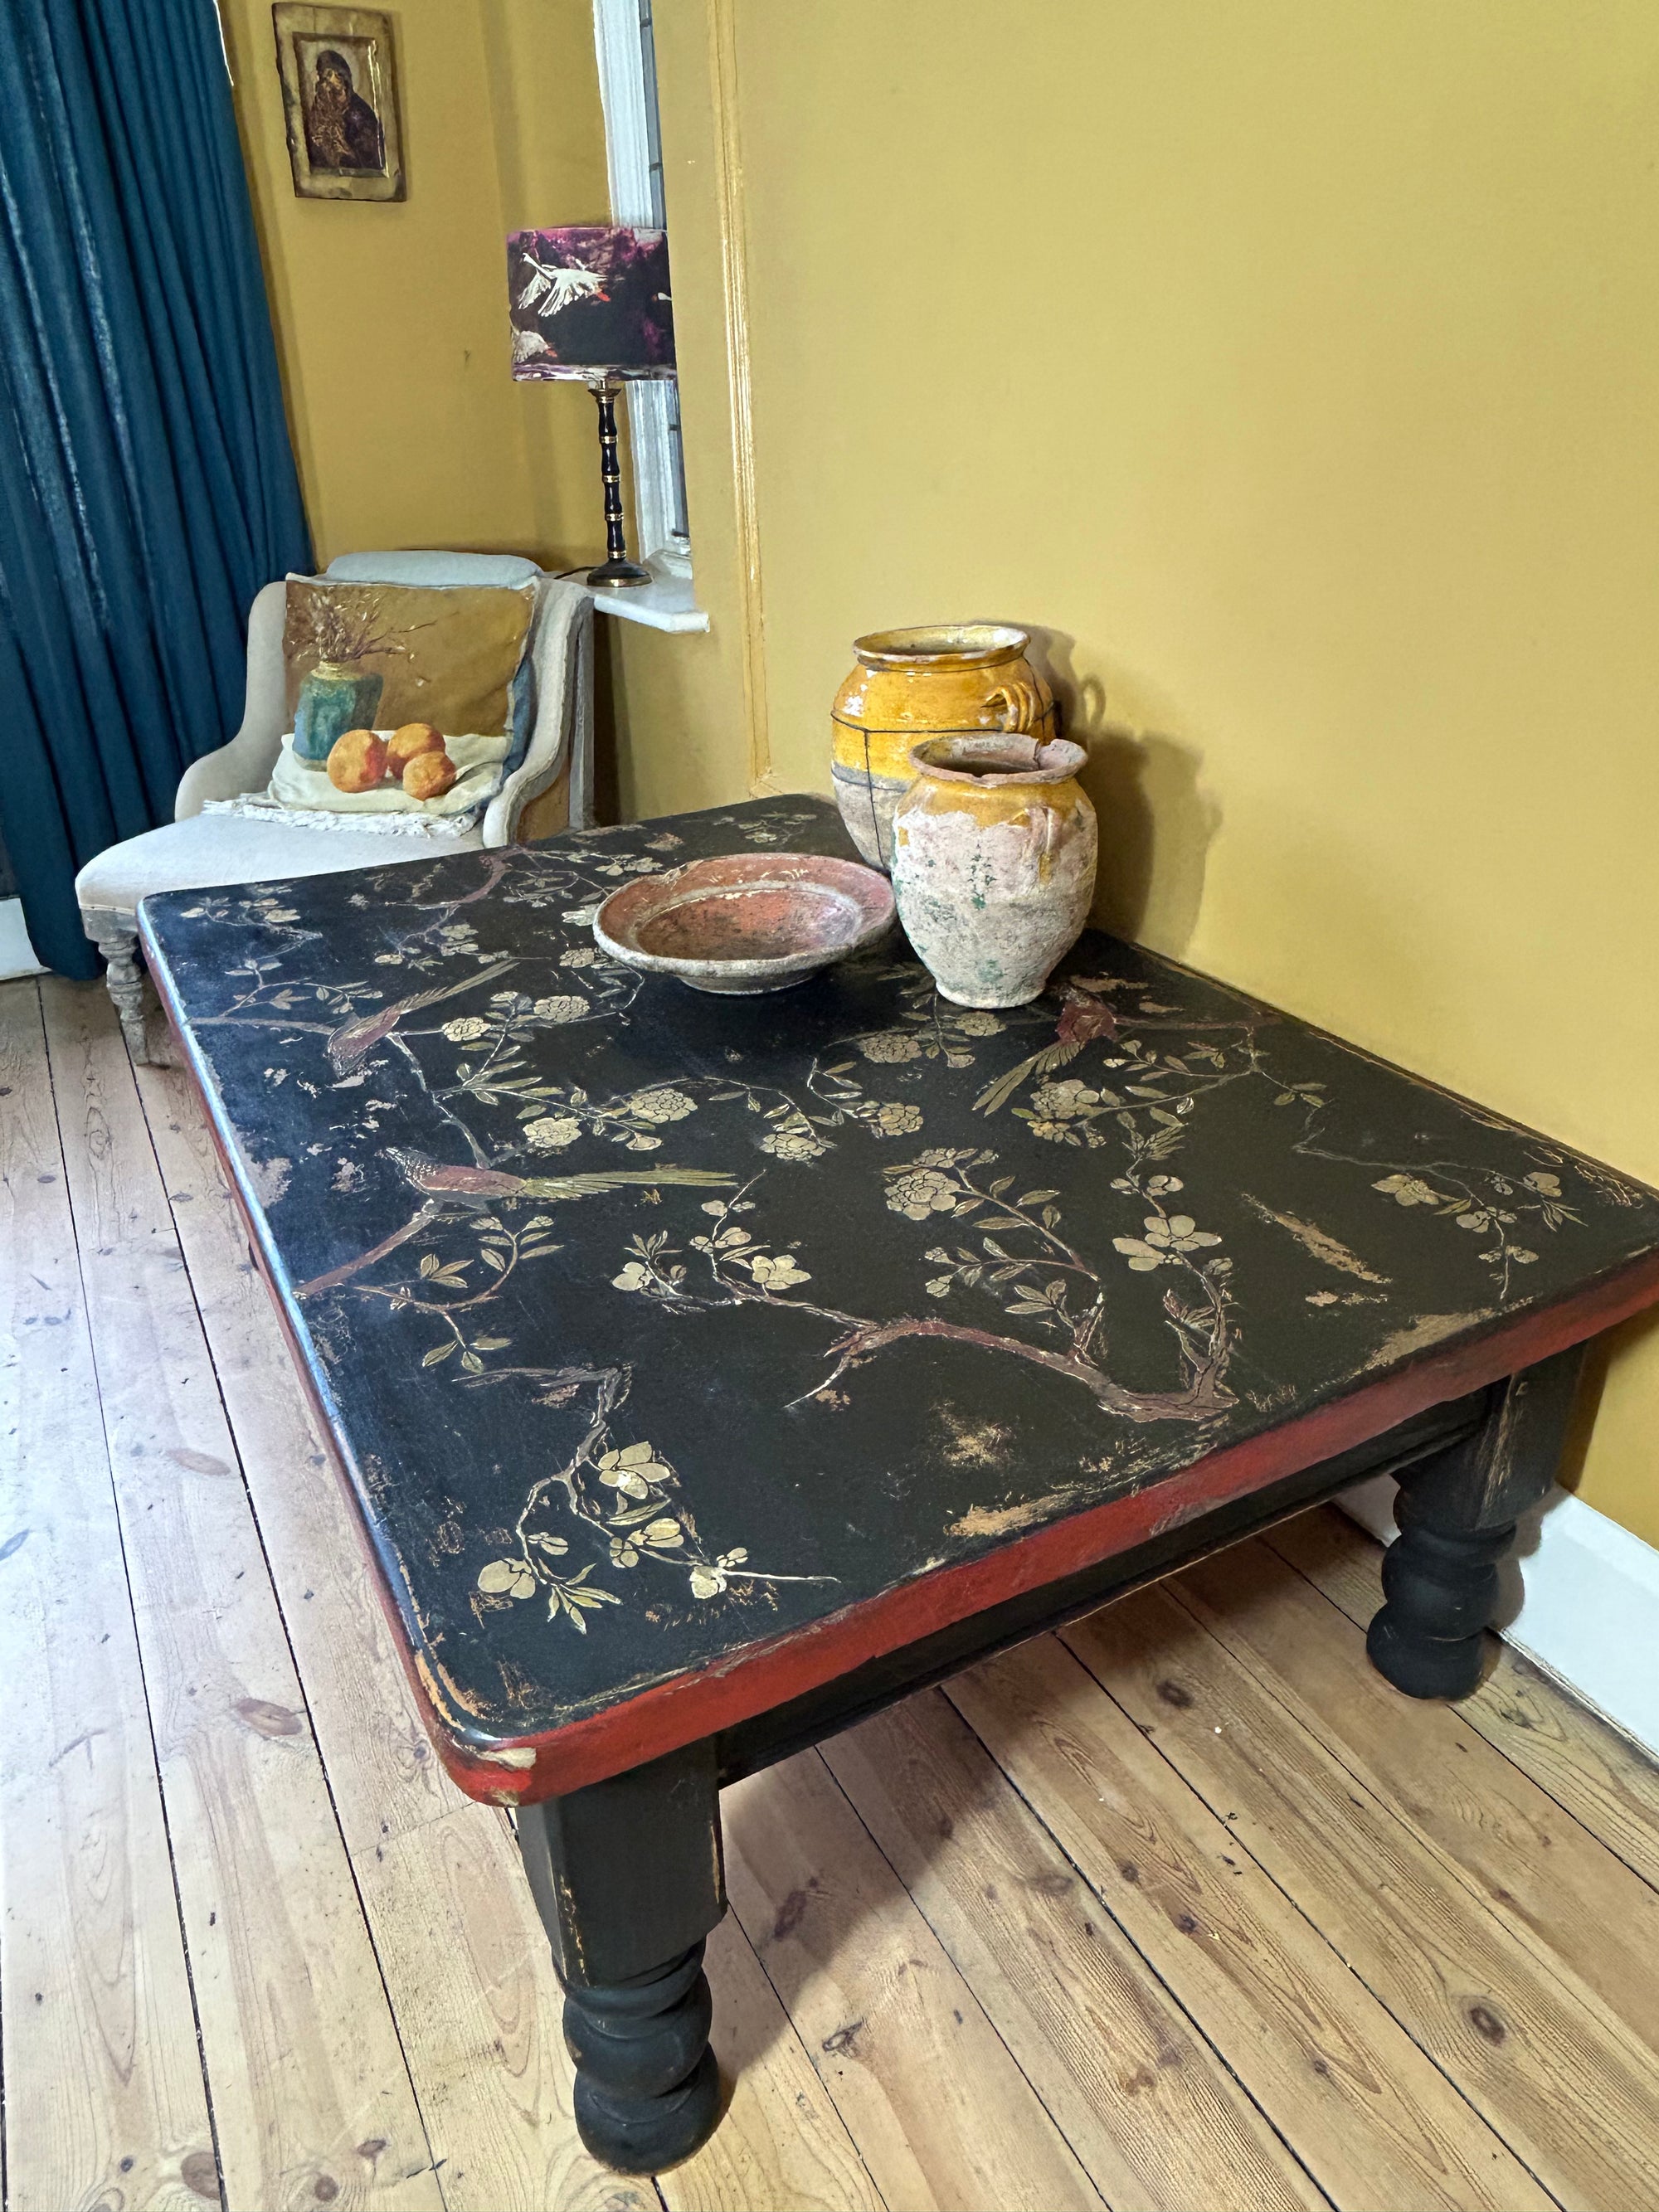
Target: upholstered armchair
(551,788)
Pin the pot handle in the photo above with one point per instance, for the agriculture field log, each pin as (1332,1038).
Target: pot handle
(1018,702)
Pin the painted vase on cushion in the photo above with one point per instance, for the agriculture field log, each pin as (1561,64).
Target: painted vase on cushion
(338,696)
(994,863)
(949,679)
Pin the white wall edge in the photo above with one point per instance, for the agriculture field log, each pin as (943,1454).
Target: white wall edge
(1581,1596)
(16,953)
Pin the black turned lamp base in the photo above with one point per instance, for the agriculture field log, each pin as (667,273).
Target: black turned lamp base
(615,572)
(619,575)
(648,2090)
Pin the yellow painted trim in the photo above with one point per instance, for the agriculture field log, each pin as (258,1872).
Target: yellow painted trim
(734,274)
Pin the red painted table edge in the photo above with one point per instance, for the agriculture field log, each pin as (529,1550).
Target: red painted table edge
(514,1770)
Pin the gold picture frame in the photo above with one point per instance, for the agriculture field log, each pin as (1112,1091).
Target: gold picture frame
(339,73)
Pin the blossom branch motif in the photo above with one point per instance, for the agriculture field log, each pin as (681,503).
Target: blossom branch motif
(1154,1090)
(743,1270)
(1112,1068)
(626,1496)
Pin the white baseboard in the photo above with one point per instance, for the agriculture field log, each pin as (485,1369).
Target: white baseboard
(1581,1596)
(16,953)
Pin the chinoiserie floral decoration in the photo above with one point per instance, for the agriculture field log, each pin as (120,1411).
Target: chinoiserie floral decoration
(987,1253)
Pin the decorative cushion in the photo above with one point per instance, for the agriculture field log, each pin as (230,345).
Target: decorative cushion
(447,657)
(208,849)
(386,654)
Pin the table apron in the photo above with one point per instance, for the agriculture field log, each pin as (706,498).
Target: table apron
(822,1712)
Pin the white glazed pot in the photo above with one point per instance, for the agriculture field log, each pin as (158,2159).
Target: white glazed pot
(994,863)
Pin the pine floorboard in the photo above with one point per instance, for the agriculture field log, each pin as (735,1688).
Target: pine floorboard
(1180,1910)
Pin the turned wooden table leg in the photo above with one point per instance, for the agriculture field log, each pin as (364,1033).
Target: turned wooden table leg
(1456,1515)
(627,1880)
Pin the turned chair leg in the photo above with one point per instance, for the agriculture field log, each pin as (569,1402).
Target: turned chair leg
(119,944)
(1457,1514)
(626,1877)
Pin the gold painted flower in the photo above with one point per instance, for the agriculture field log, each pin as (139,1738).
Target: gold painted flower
(1409,1190)
(709,1581)
(921,1192)
(660,1106)
(1163,1240)
(974,1022)
(578,956)
(466,1028)
(1054,1133)
(1060,1101)
(777,1273)
(796,1142)
(562,1009)
(889,1045)
(550,1131)
(507,1578)
(632,1468)
(894,1120)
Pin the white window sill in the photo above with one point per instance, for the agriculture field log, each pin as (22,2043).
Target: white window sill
(667,602)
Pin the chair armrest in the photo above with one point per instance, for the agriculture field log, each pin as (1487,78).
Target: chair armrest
(562,656)
(244,764)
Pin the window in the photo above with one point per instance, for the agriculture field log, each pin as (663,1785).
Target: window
(627,89)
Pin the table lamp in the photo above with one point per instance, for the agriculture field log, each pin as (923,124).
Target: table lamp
(590,305)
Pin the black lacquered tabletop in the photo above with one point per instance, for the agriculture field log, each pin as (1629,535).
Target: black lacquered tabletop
(650,1324)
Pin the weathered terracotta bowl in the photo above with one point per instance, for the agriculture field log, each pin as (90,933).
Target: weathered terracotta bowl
(745,922)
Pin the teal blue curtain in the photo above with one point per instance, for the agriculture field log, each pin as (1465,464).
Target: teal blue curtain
(146,484)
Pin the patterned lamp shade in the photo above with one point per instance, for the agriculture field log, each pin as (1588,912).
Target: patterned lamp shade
(590,303)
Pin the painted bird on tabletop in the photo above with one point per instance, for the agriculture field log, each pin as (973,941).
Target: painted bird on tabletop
(434,1180)
(441,1186)
(349,1046)
(1083,1019)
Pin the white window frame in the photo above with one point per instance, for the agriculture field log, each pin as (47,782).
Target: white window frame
(627,84)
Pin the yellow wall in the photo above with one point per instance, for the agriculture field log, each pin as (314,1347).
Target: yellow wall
(1296,369)
(392,318)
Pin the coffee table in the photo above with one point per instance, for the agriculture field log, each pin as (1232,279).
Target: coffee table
(707,1373)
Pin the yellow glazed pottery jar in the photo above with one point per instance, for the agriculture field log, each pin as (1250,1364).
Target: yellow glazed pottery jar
(994,863)
(949,680)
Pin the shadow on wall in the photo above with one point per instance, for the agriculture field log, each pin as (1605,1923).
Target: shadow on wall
(1157,820)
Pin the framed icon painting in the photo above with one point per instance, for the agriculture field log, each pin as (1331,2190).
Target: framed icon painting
(339,76)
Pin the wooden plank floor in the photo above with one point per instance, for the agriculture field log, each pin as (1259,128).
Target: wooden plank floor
(1181,1911)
